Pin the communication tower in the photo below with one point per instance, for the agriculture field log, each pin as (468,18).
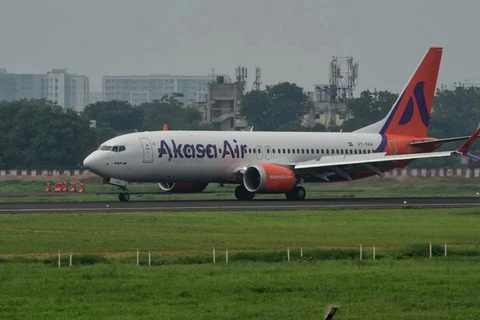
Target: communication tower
(241,77)
(343,80)
(257,82)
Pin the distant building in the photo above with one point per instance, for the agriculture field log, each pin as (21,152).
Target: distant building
(325,110)
(95,96)
(140,89)
(21,86)
(223,105)
(66,89)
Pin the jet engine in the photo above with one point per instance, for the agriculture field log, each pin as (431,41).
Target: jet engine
(269,178)
(182,187)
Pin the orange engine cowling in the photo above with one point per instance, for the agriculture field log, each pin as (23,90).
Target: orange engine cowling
(269,178)
(182,187)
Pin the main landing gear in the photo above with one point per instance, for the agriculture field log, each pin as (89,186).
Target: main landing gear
(297,193)
(124,195)
(241,193)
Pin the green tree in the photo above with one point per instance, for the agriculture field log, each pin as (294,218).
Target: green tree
(118,116)
(277,105)
(169,110)
(36,134)
(370,107)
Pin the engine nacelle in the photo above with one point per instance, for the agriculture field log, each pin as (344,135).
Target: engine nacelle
(182,187)
(269,178)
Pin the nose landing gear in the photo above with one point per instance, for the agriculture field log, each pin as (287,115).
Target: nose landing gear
(124,196)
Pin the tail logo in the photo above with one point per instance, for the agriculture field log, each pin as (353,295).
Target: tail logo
(419,95)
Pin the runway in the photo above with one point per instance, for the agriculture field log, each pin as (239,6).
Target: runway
(234,205)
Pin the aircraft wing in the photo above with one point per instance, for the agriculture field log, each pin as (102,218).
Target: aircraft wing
(348,165)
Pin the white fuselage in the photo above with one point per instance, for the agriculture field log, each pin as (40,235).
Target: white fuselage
(216,156)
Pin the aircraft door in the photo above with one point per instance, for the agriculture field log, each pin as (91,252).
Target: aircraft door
(259,152)
(147,150)
(392,148)
(268,152)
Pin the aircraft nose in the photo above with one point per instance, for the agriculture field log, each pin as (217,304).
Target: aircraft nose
(92,162)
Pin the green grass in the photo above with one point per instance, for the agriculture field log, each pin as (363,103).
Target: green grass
(258,282)
(263,230)
(421,289)
(373,187)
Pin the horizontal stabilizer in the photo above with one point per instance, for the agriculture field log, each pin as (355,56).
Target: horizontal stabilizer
(437,141)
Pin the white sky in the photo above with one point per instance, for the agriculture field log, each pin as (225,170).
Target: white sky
(290,40)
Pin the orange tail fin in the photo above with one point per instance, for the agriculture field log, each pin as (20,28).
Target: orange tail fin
(410,115)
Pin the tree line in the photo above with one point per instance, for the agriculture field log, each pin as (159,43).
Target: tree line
(37,134)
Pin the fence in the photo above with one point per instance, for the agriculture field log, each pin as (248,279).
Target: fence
(414,251)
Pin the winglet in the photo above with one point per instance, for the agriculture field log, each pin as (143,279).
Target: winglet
(165,127)
(465,148)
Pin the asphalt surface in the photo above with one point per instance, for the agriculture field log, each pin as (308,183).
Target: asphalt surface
(233,205)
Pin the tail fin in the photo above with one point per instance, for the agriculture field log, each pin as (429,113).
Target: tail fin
(410,114)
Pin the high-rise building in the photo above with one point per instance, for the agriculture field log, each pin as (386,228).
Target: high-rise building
(66,89)
(21,86)
(140,89)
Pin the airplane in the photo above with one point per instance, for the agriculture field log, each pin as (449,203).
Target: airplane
(280,162)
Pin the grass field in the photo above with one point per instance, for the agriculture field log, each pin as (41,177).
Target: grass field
(200,231)
(258,282)
(372,187)
(425,289)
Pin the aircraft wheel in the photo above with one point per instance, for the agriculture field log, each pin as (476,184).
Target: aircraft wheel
(300,193)
(297,193)
(124,196)
(243,194)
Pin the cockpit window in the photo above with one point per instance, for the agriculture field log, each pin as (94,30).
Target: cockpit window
(118,148)
(110,148)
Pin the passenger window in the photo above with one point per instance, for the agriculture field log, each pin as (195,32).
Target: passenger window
(351,151)
(284,151)
(303,151)
(293,150)
(308,151)
(249,150)
(338,152)
(326,150)
(268,150)
(298,150)
(288,150)
(273,150)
